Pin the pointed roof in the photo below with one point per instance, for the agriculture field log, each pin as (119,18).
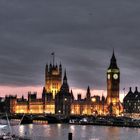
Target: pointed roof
(103,98)
(88,93)
(22,97)
(136,93)
(65,86)
(60,65)
(47,65)
(129,94)
(88,89)
(113,62)
(65,77)
(44,89)
(72,94)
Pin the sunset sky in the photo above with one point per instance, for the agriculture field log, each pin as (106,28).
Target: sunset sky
(82,33)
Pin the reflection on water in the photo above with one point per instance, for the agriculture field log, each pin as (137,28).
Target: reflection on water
(22,130)
(88,132)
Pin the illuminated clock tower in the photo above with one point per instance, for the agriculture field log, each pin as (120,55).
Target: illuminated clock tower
(113,84)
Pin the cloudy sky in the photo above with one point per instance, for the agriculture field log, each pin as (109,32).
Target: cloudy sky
(82,33)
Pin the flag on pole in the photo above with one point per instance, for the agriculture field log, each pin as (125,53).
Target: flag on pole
(52,53)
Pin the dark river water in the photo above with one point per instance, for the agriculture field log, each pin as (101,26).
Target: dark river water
(89,132)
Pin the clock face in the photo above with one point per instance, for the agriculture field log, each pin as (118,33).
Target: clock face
(108,76)
(115,76)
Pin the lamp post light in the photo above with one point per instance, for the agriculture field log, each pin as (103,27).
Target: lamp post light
(59,111)
(93,99)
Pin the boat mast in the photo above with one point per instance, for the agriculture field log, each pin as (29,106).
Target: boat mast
(9,124)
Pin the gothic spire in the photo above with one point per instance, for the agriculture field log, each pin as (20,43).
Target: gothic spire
(53,54)
(88,93)
(65,77)
(65,86)
(72,94)
(113,62)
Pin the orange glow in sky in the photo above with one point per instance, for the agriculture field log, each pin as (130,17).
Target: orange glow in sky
(19,91)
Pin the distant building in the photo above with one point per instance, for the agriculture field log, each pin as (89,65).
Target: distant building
(131,103)
(10,103)
(63,99)
(113,87)
(53,79)
(91,105)
(58,99)
(2,105)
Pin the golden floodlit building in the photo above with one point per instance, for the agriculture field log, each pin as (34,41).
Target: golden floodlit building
(58,99)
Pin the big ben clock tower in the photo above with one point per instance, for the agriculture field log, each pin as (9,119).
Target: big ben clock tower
(113,82)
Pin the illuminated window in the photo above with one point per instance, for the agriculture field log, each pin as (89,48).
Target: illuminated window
(72,112)
(93,99)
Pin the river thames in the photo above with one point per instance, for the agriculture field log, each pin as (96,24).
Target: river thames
(80,132)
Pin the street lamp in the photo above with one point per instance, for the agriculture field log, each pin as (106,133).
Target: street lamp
(93,99)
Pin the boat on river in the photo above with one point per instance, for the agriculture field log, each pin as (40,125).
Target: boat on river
(6,126)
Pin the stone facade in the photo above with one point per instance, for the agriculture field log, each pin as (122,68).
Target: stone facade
(57,98)
(131,102)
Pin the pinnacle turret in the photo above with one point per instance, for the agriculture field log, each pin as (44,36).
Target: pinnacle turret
(113,62)
(88,93)
(65,77)
(65,86)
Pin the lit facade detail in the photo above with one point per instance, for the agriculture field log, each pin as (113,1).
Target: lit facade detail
(34,108)
(57,99)
(113,87)
(132,103)
(53,79)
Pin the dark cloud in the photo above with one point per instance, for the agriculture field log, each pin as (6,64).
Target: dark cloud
(82,33)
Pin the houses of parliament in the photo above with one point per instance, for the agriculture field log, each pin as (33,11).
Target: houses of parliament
(58,99)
